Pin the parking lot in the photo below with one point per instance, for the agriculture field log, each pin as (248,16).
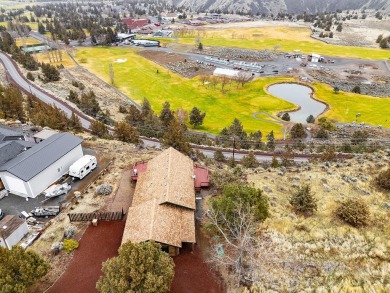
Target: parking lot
(14,204)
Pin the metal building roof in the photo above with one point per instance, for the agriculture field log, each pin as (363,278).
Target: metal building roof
(7,132)
(36,159)
(9,150)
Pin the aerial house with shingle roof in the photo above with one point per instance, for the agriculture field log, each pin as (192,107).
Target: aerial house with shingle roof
(32,171)
(163,206)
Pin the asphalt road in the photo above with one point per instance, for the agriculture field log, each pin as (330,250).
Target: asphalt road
(15,75)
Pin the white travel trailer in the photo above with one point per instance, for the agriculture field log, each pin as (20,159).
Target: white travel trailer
(82,167)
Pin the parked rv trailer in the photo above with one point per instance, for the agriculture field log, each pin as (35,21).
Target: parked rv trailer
(82,167)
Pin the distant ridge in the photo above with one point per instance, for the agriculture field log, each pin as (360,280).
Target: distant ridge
(276,6)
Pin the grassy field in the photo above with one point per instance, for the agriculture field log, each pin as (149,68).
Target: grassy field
(66,60)
(283,38)
(344,106)
(27,41)
(138,78)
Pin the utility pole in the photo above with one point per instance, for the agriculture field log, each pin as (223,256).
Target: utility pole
(234,146)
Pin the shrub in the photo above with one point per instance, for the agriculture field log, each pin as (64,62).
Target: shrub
(286,117)
(218,156)
(329,154)
(310,119)
(70,245)
(249,161)
(356,90)
(70,231)
(383,179)
(297,131)
(30,76)
(354,211)
(219,178)
(303,200)
(56,247)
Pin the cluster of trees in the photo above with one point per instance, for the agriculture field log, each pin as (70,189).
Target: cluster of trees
(169,125)
(89,104)
(235,136)
(224,81)
(384,42)
(14,106)
(50,72)
(7,44)
(68,21)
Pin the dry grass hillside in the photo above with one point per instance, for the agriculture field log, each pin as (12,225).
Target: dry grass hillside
(322,253)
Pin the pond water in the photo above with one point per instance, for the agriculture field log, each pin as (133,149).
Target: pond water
(301,96)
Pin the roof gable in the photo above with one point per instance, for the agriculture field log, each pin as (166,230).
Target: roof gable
(36,159)
(169,179)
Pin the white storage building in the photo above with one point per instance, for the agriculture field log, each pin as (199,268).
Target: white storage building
(12,230)
(34,170)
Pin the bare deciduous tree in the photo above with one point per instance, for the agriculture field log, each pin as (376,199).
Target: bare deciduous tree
(235,244)
(111,71)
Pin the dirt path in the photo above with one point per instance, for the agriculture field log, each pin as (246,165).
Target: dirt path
(97,245)
(123,196)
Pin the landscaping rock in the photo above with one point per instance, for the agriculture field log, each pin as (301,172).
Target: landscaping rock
(103,189)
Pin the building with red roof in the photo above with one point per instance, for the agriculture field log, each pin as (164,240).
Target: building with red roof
(133,23)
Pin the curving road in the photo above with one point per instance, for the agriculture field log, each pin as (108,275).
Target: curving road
(16,77)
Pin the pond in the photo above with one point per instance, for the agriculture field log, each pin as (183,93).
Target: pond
(299,95)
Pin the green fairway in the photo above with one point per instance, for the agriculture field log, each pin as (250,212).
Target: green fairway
(138,78)
(344,106)
(280,38)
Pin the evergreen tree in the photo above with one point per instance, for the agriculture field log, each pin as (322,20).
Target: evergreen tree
(196,117)
(174,137)
(41,28)
(125,132)
(99,129)
(286,117)
(89,104)
(297,131)
(146,109)
(271,140)
(139,268)
(20,268)
(310,119)
(166,115)
(303,200)
(75,123)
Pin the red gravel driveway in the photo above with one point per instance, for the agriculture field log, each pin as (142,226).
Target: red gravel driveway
(96,246)
(193,275)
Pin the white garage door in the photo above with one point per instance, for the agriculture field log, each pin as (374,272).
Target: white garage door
(15,184)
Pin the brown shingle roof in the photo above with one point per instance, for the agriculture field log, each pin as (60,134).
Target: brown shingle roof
(163,202)
(9,224)
(168,179)
(162,223)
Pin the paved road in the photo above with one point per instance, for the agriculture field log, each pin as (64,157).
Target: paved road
(13,73)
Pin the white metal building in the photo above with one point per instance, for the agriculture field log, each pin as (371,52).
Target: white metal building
(34,170)
(226,72)
(315,57)
(12,230)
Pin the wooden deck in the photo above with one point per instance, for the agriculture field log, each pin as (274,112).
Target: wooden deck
(201,178)
(100,216)
(201,175)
